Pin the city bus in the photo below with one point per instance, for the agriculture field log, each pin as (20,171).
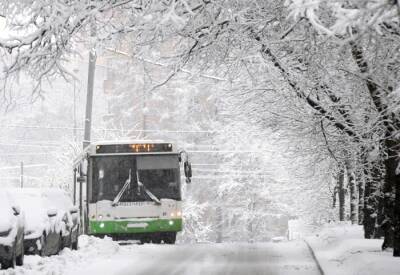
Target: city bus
(131,190)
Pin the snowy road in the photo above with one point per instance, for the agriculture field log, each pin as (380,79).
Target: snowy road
(97,257)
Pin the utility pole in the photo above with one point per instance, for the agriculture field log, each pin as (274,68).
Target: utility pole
(75,126)
(89,97)
(22,174)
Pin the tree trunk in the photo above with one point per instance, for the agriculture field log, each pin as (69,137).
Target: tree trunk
(353,193)
(391,189)
(361,196)
(390,221)
(341,195)
(220,222)
(353,199)
(372,200)
(396,240)
(392,203)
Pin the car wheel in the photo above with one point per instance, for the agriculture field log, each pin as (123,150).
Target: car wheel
(42,249)
(20,258)
(75,244)
(60,244)
(71,241)
(9,263)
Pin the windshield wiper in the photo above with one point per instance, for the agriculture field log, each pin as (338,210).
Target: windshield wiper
(126,185)
(151,195)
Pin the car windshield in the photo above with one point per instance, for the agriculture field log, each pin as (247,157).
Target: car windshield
(158,178)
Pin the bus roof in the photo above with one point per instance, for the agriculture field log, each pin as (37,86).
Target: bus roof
(91,149)
(128,141)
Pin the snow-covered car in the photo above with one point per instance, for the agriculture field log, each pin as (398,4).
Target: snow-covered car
(45,225)
(62,201)
(11,232)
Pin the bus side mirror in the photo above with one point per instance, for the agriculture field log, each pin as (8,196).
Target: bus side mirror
(73,210)
(81,179)
(188,171)
(16,210)
(52,213)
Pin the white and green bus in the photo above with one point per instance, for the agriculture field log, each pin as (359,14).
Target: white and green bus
(131,190)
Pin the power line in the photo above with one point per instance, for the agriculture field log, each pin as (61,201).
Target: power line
(25,166)
(108,129)
(229,151)
(120,130)
(165,65)
(225,177)
(24,154)
(18,178)
(244,172)
(28,145)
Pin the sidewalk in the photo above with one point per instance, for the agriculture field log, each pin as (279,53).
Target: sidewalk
(342,250)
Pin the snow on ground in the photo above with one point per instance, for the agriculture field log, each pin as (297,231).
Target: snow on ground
(342,249)
(103,256)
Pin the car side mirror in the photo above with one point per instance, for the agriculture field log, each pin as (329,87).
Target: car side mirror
(81,179)
(52,213)
(16,210)
(188,170)
(73,210)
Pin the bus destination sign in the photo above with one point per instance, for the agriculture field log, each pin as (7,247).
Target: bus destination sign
(134,148)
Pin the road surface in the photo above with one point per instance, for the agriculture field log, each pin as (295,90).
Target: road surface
(97,257)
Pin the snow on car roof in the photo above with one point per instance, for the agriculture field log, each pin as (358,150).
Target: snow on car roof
(6,211)
(54,197)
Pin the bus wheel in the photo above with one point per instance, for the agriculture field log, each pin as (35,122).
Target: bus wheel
(156,239)
(144,240)
(170,238)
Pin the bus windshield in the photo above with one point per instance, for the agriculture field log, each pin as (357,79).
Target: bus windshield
(158,177)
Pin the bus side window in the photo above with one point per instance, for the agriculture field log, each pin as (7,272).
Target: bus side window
(83,171)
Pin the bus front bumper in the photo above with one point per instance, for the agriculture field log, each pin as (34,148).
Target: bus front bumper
(97,227)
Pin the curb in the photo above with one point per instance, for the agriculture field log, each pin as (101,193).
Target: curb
(314,257)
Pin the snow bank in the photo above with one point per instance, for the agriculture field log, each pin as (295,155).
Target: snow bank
(342,249)
(68,262)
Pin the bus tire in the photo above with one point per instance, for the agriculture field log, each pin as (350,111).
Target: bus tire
(156,239)
(145,239)
(170,238)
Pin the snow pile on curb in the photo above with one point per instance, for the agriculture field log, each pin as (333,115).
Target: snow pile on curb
(68,261)
(342,249)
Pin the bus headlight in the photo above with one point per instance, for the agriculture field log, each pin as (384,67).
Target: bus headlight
(179,214)
(171,222)
(101,225)
(172,214)
(100,217)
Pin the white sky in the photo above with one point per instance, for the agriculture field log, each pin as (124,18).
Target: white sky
(2,23)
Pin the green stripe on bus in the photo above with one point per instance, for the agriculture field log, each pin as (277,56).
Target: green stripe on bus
(109,227)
